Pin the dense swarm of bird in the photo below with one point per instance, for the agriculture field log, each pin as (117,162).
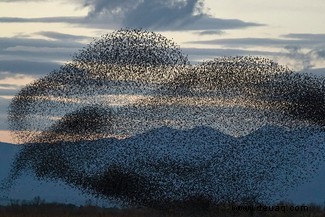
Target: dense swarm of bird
(130,118)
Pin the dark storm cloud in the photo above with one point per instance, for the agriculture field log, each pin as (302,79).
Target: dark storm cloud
(153,14)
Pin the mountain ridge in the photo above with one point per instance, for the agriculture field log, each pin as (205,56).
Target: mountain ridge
(184,147)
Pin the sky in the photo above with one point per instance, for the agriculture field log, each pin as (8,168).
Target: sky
(37,36)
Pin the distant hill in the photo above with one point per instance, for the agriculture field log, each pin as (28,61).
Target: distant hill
(176,163)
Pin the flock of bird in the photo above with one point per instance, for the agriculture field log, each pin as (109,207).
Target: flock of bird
(129,118)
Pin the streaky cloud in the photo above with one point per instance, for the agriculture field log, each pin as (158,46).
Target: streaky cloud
(62,36)
(268,42)
(306,36)
(72,20)
(27,67)
(211,32)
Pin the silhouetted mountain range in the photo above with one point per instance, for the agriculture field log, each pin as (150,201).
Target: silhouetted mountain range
(167,164)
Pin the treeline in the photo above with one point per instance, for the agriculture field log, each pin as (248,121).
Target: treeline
(39,208)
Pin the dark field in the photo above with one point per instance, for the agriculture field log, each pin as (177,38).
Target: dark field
(39,208)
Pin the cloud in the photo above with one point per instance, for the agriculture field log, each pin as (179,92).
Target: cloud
(72,19)
(10,86)
(162,15)
(10,83)
(211,32)
(22,0)
(318,72)
(301,59)
(150,14)
(291,40)
(62,36)
(6,42)
(92,22)
(7,92)
(43,54)
(26,55)
(196,55)
(319,37)
(304,58)
(255,42)
(320,53)
(27,67)
(145,13)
